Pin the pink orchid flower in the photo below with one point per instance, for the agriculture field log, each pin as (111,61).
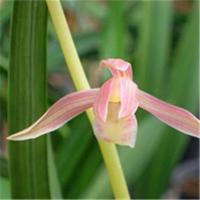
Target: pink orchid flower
(114,106)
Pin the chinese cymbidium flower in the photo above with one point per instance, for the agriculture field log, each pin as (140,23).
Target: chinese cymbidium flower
(114,106)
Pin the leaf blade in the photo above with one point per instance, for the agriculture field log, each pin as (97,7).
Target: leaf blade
(28,161)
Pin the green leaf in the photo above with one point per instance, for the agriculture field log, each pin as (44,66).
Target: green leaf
(185,60)
(76,144)
(89,163)
(3,63)
(114,32)
(183,92)
(4,188)
(153,45)
(29,161)
(5,10)
(3,167)
(54,184)
(113,39)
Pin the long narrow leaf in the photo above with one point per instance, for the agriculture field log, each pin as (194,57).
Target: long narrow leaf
(28,161)
(154,43)
(113,35)
(183,89)
(4,188)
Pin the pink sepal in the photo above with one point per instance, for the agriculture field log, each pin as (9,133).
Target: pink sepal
(61,112)
(174,116)
(129,102)
(102,99)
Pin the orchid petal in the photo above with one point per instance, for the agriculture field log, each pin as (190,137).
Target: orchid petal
(102,99)
(119,131)
(118,67)
(174,116)
(129,103)
(61,112)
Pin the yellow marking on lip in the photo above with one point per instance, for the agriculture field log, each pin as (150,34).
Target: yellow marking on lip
(115,93)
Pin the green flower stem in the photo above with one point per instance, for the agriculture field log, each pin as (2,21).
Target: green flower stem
(108,150)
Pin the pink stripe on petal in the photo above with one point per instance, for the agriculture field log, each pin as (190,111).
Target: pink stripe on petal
(174,116)
(61,112)
(59,121)
(118,67)
(102,99)
(129,102)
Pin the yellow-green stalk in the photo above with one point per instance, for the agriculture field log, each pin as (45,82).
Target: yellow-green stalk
(108,150)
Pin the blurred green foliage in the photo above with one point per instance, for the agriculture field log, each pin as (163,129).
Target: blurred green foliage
(160,39)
